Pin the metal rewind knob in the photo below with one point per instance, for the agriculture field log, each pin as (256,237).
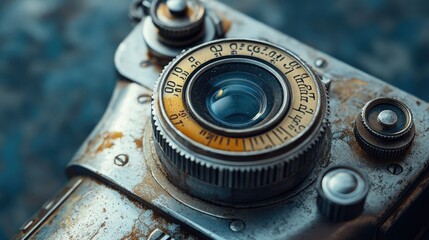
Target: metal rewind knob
(178,19)
(173,25)
(385,128)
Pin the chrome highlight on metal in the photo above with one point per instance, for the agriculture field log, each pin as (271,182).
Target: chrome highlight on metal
(237,225)
(320,63)
(342,193)
(387,118)
(158,234)
(177,7)
(343,186)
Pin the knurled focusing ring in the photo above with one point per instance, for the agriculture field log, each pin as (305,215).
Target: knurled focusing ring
(236,168)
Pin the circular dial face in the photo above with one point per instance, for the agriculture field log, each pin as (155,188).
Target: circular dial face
(303,103)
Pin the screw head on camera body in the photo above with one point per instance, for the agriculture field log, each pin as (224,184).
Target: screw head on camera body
(239,120)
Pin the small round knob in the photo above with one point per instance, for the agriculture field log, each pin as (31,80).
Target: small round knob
(342,193)
(385,128)
(177,7)
(178,20)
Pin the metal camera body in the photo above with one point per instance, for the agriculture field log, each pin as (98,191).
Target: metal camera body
(118,188)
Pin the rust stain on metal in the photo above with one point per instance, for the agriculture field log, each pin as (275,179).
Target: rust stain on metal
(387,89)
(153,221)
(226,24)
(347,89)
(138,143)
(354,145)
(157,63)
(134,234)
(108,140)
(148,188)
(99,143)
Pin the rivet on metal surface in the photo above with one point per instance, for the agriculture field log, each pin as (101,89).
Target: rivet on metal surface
(27,225)
(121,160)
(320,63)
(395,168)
(144,98)
(237,225)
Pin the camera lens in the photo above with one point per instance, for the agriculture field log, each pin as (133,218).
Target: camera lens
(237,96)
(239,121)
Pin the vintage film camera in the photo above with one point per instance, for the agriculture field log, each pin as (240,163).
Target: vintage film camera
(249,134)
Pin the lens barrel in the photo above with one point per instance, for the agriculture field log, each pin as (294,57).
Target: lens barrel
(239,121)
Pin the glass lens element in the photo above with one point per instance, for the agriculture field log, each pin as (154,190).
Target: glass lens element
(236,95)
(237,102)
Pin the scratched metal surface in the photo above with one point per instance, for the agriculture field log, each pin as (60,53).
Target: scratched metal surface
(50,49)
(350,89)
(108,214)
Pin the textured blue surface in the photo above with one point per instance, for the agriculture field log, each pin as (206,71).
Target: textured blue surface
(57,73)
(56,76)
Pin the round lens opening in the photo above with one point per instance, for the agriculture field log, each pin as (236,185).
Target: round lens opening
(237,102)
(237,95)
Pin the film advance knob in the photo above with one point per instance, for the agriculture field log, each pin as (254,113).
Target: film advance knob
(385,128)
(342,193)
(178,20)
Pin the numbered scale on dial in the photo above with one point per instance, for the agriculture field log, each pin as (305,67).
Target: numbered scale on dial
(239,114)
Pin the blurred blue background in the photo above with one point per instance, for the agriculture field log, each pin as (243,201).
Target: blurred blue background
(57,73)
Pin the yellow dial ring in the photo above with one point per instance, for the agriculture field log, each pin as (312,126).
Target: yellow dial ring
(303,108)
